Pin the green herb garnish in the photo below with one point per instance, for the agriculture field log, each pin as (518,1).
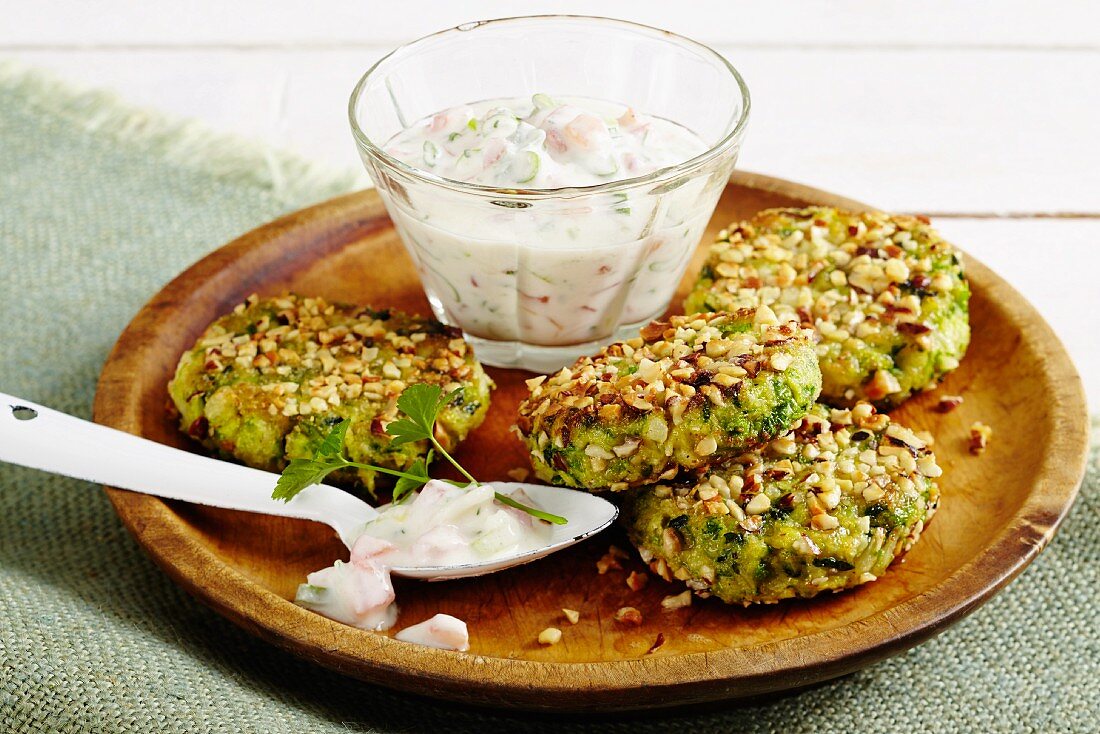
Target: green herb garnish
(431,153)
(329,457)
(421,405)
(543,101)
(419,472)
(528,168)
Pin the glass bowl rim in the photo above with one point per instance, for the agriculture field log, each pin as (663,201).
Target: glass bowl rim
(660,176)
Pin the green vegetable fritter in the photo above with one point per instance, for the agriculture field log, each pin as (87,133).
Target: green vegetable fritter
(685,393)
(265,383)
(824,508)
(887,296)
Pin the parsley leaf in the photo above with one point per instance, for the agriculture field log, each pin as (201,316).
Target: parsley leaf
(421,404)
(333,444)
(406,431)
(419,469)
(302,473)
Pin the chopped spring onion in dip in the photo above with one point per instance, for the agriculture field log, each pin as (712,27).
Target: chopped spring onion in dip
(543,143)
(442,525)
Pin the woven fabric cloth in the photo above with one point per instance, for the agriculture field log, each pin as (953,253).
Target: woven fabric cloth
(101,205)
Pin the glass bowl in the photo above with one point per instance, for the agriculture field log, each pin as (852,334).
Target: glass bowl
(537,277)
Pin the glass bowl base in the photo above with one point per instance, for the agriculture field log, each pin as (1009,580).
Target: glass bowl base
(544,359)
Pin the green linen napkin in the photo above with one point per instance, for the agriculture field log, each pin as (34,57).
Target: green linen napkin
(100,205)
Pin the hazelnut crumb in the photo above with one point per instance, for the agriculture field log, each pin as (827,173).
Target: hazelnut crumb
(628,615)
(572,615)
(550,636)
(636,581)
(606,564)
(758,505)
(676,601)
(519,474)
(948,403)
(979,437)
(616,552)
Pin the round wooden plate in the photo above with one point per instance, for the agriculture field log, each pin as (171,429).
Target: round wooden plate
(998,510)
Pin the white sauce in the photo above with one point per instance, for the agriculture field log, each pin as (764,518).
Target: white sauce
(358,592)
(447,525)
(442,525)
(442,631)
(562,271)
(541,143)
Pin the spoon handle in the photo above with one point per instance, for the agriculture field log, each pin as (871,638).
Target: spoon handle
(35,436)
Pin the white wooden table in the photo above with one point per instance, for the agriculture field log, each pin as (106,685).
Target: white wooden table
(983,114)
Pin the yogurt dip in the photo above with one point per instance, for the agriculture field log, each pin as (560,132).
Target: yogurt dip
(442,631)
(447,525)
(575,269)
(359,592)
(441,525)
(543,143)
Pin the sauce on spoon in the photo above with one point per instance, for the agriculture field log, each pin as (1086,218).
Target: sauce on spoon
(443,525)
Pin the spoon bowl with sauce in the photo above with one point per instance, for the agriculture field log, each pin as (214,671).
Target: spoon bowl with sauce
(445,518)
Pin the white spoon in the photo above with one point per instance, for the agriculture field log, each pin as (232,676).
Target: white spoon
(38,437)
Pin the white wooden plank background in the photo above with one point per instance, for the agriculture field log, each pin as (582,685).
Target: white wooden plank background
(981,113)
(842,23)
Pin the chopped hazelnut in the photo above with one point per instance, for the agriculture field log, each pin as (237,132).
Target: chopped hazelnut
(636,581)
(608,563)
(550,636)
(676,601)
(519,474)
(979,437)
(758,505)
(707,446)
(628,615)
(948,403)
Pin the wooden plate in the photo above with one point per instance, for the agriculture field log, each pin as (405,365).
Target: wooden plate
(998,511)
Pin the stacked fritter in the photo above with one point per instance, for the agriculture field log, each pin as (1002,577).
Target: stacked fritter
(687,392)
(825,507)
(267,382)
(885,294)
(734,481)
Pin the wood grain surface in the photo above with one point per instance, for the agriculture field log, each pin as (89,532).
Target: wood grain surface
(998,510)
